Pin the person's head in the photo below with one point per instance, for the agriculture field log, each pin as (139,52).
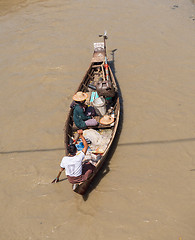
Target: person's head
(72,149)
(80,102)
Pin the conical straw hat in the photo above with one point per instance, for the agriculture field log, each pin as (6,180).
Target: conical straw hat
(80,96)
(106,120)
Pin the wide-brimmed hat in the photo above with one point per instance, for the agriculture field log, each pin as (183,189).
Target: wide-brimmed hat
(98,151)
(80,96)
(106,120)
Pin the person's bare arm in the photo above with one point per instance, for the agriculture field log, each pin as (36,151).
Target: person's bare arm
(57,178)
(80,132)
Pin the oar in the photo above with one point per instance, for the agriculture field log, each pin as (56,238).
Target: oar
(106,62)
(106,68)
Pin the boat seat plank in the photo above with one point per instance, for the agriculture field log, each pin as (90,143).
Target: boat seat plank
(100,126)
(96,66)
(89,75)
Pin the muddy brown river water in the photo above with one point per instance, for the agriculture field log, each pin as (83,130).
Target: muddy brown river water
(147,190)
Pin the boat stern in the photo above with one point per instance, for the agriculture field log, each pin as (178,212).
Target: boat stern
(99,52)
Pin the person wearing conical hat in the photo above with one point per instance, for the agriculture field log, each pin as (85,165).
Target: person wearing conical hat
(82,114)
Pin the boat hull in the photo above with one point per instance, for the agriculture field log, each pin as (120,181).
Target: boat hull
(95,70)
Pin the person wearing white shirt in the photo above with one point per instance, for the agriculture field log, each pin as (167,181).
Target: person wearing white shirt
(76,172)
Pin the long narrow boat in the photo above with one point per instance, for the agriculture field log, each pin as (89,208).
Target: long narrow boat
(98,69)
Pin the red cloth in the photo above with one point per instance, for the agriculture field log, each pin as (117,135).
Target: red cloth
(87,170)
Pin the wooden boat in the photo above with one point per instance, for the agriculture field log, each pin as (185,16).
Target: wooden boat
(98,68)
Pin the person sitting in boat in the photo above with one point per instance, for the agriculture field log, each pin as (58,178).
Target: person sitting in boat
(82,114)
(76,172)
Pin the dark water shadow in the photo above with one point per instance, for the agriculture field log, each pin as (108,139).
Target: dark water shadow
(105,167)
(118,145)
(33,150)
(157,142)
